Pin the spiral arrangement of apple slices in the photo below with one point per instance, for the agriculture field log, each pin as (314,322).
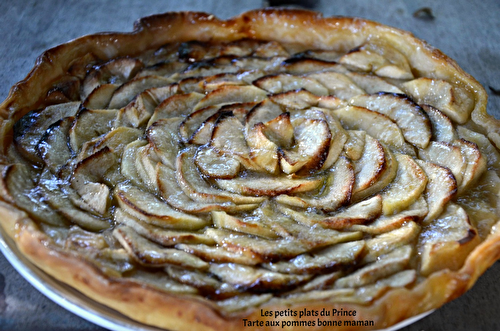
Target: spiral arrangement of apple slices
(253,172)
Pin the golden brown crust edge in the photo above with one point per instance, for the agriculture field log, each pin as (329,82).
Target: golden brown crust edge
(166,310)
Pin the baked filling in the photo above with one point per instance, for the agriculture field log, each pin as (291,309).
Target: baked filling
(252,173)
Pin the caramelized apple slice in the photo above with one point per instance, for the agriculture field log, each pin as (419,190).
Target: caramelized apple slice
(53,145)
(117,70)
(198,189)
(264,112)
(355,144)
(359,213)
(129,155)
(255,278)
(386,242)
(452,100)
(483,143)
(371,83)
(248,225)
(441,188)
(170,191)
(305,65)
(258,185)
(285,82)
(99,120)
(214,165)
(337,84)
(231,94)
(115,140)
(263,151)
(447,241)
(312,143)
(337,190)
(100,96)
(159,235)
(410,118)
(218,254)
(30,128)
(370,167)
(475,164)
(129,90)
(150,254)
(163,138)
(375,124)
(145,166)
(380,58)
(322,261)
(385,266)
(175,106)
(445,155)
(409,184)
(280,130)
(148,208)
(300,99)
(442,126)
(18,188)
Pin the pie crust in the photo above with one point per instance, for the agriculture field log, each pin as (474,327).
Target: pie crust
(196,173)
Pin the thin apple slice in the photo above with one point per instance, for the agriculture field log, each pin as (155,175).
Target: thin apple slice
(447,241)
(359,213)
(165,69)
(30,128)
(442,127)
(371,166)
(191,182)
(337,192)
(322,261)
(445,155)
(212,164)
(355,144)
(145,166)
(266,65)
(409,184)
(248,225)
(127,167)
(150,254)
(259,185)
(129,90)
(371,83)
(197,127)
(380,58)
(212,83)
(410,118)
(388,175)
(117,70)
(337,84)
(159,235)
(263,112)
(304,65)
(386,242)
(18,188)
(484,144)
(300,99)
(164,139)
(115,140)
(312,143)
(321,54)
(441,188)
(202,281)
(171,192)
(263,151)
(175,106)
(148,208)
(388,264)
(231,94)
(280,130)
(456,102)
(255,278)
(53,145)
(338,138)
(100,96)
(375,124)
(285,82)
(475,164)
(265,249)
(90,124)
(217,254)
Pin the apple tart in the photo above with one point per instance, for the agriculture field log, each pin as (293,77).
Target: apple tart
(198,173)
